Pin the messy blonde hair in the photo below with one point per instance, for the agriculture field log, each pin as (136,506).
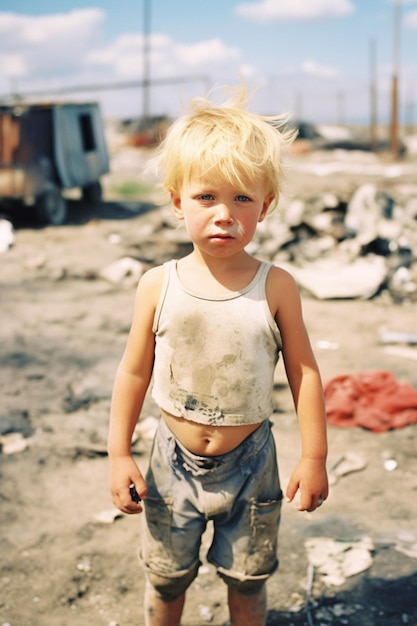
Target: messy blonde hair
(225,141)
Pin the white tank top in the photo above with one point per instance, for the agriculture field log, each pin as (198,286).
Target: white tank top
(215,356)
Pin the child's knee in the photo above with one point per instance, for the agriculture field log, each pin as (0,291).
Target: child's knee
(170,587)
(246,587)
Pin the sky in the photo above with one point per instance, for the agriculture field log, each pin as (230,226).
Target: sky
(314,59)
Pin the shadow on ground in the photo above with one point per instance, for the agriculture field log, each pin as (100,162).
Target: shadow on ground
(80,213)
(369,601)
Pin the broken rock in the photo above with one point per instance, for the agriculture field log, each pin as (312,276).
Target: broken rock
(332,278)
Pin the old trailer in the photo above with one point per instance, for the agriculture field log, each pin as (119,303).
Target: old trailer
(47,148)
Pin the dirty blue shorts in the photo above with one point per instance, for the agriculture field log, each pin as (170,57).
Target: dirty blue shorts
(238,491)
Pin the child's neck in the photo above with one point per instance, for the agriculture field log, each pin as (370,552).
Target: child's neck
(216,275)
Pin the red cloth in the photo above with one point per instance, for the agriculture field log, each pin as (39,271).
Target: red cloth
(374,400)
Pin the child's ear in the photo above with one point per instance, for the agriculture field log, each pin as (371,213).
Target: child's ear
(176,204)
(267,203)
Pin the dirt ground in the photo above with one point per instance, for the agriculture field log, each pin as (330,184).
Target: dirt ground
(62,334)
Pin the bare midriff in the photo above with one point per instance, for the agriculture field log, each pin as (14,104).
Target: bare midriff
(206,440)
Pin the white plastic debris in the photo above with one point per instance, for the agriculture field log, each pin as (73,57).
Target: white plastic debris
(84,565)
(325,344)
(108,516)
(205,613)
(390,465)
(13,443)
(6,235)
(336,560)
(114,239)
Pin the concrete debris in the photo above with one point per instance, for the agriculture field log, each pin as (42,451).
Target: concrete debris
(348,463)
(333,245)
(36,261)
(125,270)
(392,337)
(15,432)
(336,244)
(82,396)
(406,353)
(409,550)
(16,422)
(347,247)
(332,279)
(145,429)
(336,560)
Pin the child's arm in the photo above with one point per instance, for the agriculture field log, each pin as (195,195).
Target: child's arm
(130,386)
(309,475)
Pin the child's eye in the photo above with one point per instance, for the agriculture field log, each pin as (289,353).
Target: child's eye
(205,196)
(242,198)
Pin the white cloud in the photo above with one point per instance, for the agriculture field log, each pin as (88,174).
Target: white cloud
(266,10)
(44,45)
(168,58)
(248,71)
(118,59)
(316,69)
(13,65)
(75,26)
(67,49)
(411,19)
(211,51)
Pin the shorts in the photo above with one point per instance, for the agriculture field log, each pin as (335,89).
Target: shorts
(239,492)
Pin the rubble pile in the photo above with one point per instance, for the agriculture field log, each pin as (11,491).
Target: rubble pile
(339,247)
(334,246)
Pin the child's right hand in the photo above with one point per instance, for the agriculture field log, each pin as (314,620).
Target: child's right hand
(123,473)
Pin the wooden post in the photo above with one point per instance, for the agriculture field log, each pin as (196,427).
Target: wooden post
(146,80)
(394,142)
(373,129)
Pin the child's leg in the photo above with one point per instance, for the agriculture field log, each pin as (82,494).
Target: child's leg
(248,610)
(158,612)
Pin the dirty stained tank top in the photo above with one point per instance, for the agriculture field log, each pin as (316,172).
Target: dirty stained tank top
(215,356)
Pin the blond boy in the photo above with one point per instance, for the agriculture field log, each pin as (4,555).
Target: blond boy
(210,327)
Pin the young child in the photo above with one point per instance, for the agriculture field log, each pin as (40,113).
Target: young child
(209,328)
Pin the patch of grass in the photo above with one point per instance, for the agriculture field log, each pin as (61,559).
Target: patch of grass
(131,189)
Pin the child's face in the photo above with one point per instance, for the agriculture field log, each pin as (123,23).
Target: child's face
(221,218)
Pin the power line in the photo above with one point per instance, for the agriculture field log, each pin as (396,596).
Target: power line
(134,84)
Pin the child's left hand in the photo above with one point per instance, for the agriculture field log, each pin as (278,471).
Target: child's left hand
(310,477)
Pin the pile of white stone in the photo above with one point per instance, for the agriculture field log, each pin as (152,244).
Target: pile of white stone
(338,248)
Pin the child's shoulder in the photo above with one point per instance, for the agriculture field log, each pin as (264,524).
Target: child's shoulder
(281,288)
(278,274)
(151,281)
(153,274)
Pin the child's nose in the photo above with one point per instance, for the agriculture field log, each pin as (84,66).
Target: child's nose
(223,213)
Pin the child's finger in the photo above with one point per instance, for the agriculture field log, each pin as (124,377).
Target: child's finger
(291,491)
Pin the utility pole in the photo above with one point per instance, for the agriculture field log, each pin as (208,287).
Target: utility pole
(394,143)
(146,78)
(373,130)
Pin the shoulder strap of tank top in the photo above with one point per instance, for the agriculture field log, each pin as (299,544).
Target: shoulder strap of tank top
(169,267)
